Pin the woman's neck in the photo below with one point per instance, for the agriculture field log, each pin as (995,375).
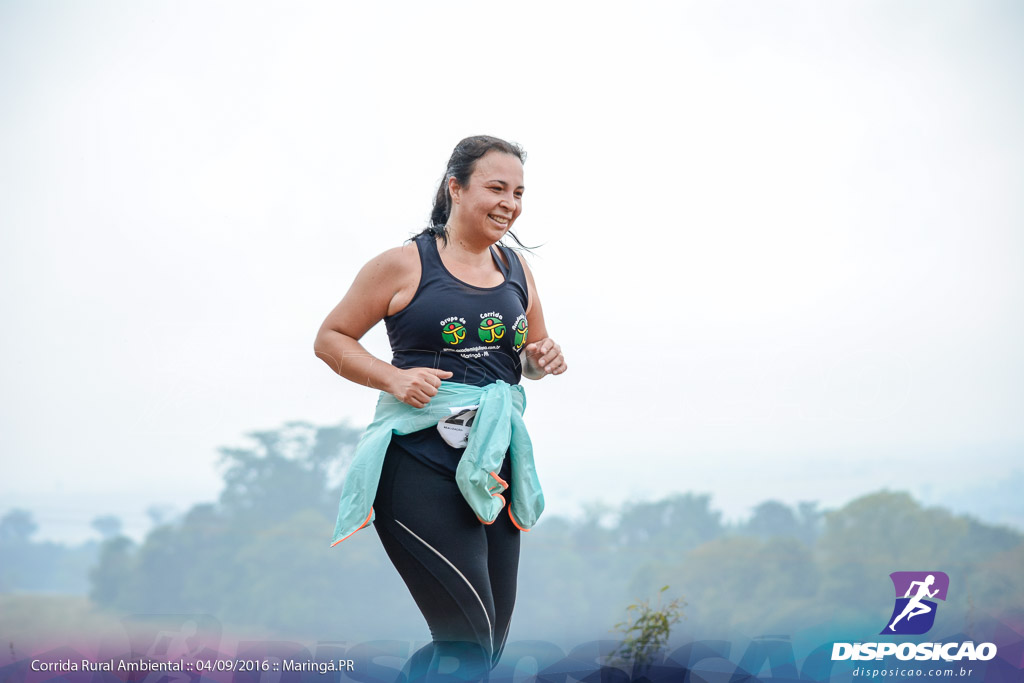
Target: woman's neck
(467,251)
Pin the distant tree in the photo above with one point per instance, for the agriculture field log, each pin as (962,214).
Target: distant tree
(108,526)
(995,587)
(580,587)
(677,523)
(260,556)
(17,527)
(872,536)
(811,521)
(772,518)
(289,469)
(592,532)
(113,574)
(16,552)
(877,534)
(747,583)
(159,513)
(40,566)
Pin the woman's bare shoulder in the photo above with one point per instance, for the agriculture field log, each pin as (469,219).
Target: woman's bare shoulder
(397,258)
(397,271)
(391,269)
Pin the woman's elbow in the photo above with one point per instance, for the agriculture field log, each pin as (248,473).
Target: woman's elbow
(324,347)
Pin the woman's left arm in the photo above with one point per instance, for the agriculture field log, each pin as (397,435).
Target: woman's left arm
(542,356)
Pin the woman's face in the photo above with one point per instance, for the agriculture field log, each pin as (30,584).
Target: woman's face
(493,199)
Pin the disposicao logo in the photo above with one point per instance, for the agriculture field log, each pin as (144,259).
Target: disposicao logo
(913,615)
(914,612)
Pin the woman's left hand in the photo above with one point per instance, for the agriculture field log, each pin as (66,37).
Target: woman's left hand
(542,358)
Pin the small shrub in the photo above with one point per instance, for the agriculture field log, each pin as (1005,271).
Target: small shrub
(646,630)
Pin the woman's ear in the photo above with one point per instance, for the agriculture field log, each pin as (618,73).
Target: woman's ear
(454,189)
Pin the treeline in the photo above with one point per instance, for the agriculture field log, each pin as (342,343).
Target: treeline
(260,557)
(784,572)
(31,566)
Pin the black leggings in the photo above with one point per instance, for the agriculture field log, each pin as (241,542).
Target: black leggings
(461,573)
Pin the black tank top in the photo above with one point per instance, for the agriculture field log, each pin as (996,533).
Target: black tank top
(474,332)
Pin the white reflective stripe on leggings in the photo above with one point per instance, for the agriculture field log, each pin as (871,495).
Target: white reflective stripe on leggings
(490,629)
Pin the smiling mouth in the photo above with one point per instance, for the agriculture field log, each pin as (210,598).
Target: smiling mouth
(503,220)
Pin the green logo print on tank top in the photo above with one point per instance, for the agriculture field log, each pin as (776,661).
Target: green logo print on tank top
(491,328)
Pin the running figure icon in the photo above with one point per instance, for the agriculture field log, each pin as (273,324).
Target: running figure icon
(915,607)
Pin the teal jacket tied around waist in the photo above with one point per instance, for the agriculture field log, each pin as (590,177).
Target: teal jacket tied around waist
(497,427)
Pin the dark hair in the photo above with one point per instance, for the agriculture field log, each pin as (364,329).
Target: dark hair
(461,166)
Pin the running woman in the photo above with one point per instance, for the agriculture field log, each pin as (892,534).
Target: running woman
(461,310)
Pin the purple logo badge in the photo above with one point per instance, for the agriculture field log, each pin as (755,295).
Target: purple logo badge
(914,612)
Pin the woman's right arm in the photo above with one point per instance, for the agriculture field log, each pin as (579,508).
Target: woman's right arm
(384,286)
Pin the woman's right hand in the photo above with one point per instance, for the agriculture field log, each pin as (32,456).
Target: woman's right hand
(416,386)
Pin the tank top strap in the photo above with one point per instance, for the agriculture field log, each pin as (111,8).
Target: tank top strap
(515,272)
(430,259)
(501,263)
